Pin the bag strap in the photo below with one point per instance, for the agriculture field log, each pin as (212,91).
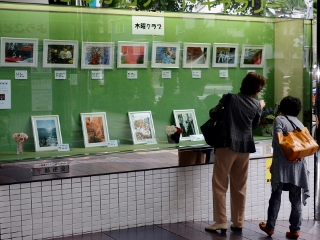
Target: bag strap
(295,127)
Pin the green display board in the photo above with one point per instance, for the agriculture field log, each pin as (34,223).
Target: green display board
(43,94)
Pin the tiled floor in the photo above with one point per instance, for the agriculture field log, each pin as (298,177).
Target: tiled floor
(310,230)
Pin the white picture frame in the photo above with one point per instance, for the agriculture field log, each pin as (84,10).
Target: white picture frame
(94,129)
(187,121)
(196,55)
(165,55)
(97,55)
(142,127)
(19,52)
(225,55)
(132,54)
(60,54)
(252,56)
(46,132)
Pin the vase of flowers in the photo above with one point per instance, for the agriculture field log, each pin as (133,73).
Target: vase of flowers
(173,134)
(266,121)
(20,138)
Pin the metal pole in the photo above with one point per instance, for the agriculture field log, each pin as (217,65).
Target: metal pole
(317,132)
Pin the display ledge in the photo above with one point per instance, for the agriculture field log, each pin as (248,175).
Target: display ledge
(7,157)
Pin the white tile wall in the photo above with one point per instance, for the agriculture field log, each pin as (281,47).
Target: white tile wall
(48,209)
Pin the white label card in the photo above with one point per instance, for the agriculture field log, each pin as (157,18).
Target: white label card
(251,71)
(258,153)
(166,74)
(60,74)
(223,73)
(96,74)
(21,74)
(112,143)
(196,74)
(197,137)
(132,74)
(151,141)
(63,147)
(148,25)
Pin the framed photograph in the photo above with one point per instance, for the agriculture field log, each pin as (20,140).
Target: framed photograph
(60,54)
(186,120)
(19,52)
(142,127)
(95,129)
(225,55)
(46,132)
(252,56)
(306,56)
(196,55)
(97,55)
(165,55)
(132,55)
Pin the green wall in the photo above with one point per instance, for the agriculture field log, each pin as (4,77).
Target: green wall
(118,95)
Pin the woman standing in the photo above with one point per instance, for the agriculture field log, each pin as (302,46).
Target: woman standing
(285,175)
(232,155)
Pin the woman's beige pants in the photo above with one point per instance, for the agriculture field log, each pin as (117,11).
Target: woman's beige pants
(233,164)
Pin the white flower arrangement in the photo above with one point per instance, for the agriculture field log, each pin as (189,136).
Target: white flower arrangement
(172,129)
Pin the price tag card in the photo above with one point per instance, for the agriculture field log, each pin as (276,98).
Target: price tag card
(132,74)
(258,153)
(151,141)
(223,73)
(196,74)
(96,74)
(166,74)
(20,74)
(63,147)
(60,74)
(112,143)
(197,137)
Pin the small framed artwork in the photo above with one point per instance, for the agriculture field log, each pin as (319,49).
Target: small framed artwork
(142,127)
(186,120)
(196,55)
(46,132)
(60,54)
(225,55)
(132,55)
(165,55)
(252,56)
(306,56)
(97,55)
(19,52)
(95,129)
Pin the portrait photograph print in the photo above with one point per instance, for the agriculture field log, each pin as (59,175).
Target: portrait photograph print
(60,54)
(225,55)
(97,55)
(46,132)
(19,52)
(252,56)
(132,55)
(95,129)
(186,120)
(165,55)
(196,55)
(142,127)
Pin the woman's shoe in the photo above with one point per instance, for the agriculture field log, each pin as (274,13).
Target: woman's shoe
(235,229)
(217,226)
(263,227)
(292,235)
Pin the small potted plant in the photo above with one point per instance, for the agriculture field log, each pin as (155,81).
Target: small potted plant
(173,134)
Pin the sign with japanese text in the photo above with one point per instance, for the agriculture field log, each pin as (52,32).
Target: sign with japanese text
(5,94)
(148,25)
(50,168)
